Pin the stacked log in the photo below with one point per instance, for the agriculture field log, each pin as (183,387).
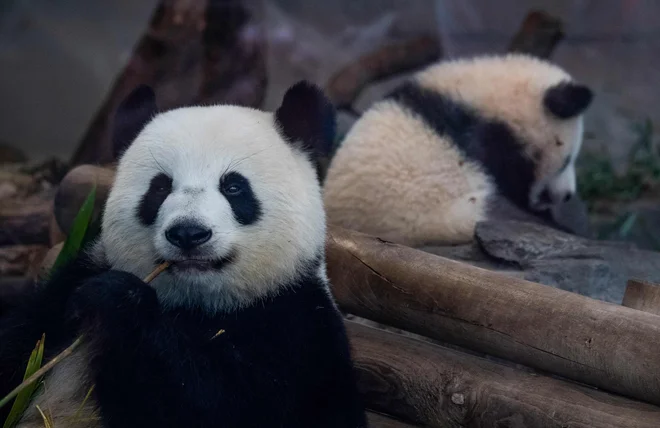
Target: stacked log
(494,349)
(26,205)
(439,387)
(483,313)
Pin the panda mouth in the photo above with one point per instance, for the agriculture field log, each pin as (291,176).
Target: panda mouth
(199,265)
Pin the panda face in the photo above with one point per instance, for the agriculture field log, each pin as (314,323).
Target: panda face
(558,147)
(227,195)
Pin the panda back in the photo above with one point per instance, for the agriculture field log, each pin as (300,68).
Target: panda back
(396,177)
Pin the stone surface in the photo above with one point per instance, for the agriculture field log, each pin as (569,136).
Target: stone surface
(599,269)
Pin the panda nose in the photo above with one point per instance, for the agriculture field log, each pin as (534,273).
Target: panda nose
(187,235)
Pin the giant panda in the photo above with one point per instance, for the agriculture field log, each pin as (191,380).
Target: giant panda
(426,163)
(241,330)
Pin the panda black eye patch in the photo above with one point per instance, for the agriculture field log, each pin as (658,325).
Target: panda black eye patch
(238,192)
(159,189)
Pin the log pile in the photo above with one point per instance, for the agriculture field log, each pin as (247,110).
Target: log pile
(440,337)
(26,207)
(459,345)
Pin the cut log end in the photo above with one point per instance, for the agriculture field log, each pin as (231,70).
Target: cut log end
(643,296)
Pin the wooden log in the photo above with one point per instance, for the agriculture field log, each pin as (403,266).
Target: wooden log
(193,52)
(16,260)
(643,296)
(25,221)
(48,261)
(538,35)
(605,345)
(55,234)
(439,387)
(345,85)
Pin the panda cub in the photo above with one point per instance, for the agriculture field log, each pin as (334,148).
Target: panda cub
(241,330)
(423,165)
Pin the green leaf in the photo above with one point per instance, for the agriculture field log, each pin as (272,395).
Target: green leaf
(23,398)
(76,237)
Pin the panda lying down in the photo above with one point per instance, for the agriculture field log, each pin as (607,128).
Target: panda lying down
(230,196)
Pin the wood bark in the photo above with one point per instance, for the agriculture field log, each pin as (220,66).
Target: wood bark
(597,343)
(19,259)
(643,296)
(25,221)
(193,52)
(345,85)
(439,387)
(538,35)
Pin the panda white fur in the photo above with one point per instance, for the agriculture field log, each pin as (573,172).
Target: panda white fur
(230,196)
(422,165)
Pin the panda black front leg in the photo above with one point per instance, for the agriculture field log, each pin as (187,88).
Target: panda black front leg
(115,305)
(139,361)
(155,367)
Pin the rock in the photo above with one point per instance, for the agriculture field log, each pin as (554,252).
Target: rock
(599,269)
(571,216)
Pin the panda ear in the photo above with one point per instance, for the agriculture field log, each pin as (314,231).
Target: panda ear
(567,99)
(306,119)
(131,116)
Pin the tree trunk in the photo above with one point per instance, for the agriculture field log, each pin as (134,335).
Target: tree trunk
(193,52)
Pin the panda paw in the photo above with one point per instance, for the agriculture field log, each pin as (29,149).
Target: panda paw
(113,297)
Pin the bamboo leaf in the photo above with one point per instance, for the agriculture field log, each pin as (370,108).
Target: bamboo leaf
(79,235)
(23,398)
(76,237)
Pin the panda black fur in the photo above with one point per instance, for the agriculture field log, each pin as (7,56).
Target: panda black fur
(423,165)
(230,195)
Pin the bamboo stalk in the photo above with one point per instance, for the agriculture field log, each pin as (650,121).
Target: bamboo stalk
(159,269)
(36,375)
(68,351)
